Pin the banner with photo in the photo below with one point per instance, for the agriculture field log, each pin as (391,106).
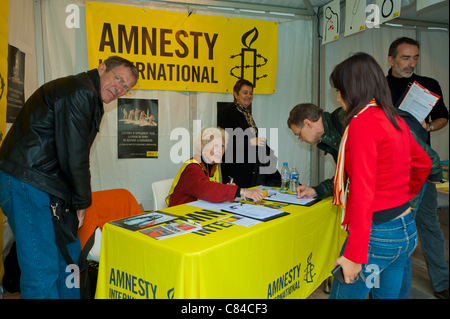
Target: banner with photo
(180,52)
(331,21)
(16,86)
(389,9)
(355,16)
(137,128)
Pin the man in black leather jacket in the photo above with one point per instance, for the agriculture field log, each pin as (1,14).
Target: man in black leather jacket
(46,155)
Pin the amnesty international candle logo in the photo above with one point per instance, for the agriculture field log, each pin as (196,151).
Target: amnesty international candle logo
(180,52)
(249,57)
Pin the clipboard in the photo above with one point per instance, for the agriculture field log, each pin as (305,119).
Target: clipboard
(418,101)
(284,198)
(257,212)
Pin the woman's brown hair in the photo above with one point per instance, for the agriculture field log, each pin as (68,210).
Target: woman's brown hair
(360,79)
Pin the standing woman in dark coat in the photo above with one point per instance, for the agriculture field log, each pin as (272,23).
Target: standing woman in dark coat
(241,164)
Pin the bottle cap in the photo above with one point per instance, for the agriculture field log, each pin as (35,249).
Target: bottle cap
(285,163)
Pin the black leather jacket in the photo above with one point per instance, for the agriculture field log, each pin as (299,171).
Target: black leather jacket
(329,143)
(49,143)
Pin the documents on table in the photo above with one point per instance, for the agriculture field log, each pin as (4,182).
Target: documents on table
(142,221)
(419,101)
(211,206)
(240,220)
(248,210)
(254,211)
(171,230)
(291,199)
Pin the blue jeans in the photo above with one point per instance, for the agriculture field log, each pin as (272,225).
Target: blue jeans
(390,247)
(43,268)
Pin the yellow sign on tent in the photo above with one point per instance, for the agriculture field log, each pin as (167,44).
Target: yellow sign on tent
(180,52)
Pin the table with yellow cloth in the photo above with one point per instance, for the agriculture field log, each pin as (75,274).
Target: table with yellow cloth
(287,257)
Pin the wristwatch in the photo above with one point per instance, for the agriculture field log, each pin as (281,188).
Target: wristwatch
(431,127)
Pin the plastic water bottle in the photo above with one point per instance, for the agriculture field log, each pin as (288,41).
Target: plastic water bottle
(285,176)
(294,179)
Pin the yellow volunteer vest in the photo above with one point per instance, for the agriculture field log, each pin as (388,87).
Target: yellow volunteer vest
(214,178)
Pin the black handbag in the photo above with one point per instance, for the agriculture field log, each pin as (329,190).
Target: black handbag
(65,222)
(88,280)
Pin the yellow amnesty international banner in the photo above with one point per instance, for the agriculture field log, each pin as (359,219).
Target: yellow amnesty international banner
(4,12)
(181,52)
(287,257)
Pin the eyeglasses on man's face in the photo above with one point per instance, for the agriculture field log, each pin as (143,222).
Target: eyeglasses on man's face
(121,82)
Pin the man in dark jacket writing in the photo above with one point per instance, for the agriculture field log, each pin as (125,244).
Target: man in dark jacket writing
(44,160)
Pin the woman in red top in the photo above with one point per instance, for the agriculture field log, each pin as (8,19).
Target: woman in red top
(198,178)
(385,168)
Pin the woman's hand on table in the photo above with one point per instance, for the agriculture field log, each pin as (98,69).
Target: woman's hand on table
(256,195)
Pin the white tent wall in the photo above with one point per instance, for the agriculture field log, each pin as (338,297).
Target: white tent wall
(434,62)
(65,52)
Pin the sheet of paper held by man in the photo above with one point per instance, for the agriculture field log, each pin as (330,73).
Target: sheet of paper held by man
(419,101)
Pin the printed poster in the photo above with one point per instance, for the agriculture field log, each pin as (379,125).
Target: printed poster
(331,21)
(389,9)
(16,78)
(137,128)
(355,16)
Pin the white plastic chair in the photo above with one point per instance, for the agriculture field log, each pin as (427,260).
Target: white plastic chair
(160,191)
(94,253)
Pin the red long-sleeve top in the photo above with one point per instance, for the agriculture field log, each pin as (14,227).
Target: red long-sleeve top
(386,168)
(195,184)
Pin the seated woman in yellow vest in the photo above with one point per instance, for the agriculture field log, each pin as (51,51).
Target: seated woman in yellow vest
(198,178)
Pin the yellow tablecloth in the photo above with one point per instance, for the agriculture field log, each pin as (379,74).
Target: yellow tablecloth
(288,257)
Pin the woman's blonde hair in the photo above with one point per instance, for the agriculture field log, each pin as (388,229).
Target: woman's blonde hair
(206,136)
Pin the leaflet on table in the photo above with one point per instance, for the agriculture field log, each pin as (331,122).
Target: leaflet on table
(171,230)
(211,206)
(291,199)
(254,211)
(240,220)
(142,221)
(419,101)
